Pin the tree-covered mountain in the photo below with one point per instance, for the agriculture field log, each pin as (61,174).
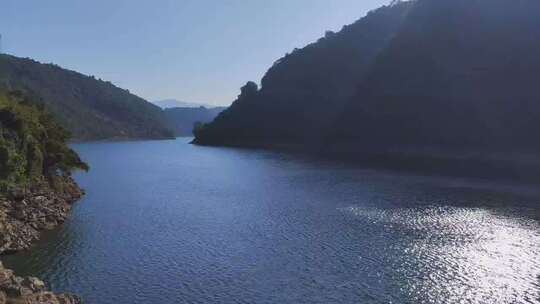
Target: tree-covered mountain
(89,108)
(302,93)
(182,120)
(458,74)
(444,78)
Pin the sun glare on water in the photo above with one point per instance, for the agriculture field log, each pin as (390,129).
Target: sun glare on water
(462,255)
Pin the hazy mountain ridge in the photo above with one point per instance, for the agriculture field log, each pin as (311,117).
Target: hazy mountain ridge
(183,120)
(90,109)
(173,103)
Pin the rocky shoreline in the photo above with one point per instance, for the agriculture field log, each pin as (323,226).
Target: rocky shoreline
(24,214)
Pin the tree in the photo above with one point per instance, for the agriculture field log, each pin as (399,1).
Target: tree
(249,90)
(32,145)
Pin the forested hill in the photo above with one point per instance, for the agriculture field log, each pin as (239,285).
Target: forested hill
(459,74)
(89,108)
(446,75)
(302,93)
(183,119)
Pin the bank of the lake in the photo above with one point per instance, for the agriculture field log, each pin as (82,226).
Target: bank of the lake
(171,222)
(25,214)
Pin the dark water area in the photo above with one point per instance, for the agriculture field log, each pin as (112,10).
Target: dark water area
(169,222)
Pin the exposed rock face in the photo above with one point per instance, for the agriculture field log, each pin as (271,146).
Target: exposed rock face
(23,215)
(14,290)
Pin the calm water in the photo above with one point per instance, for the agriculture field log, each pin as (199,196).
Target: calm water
(167,222)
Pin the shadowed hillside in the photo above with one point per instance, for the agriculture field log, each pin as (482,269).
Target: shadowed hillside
(91,109)
(447,85)
(455,91)
(303,92)
(458,74)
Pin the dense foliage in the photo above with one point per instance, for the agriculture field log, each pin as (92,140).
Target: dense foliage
(89,108)
(182,120)
(32,145)
(451,74)
(303,92)
(459,74)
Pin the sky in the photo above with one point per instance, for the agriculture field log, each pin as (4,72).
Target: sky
(190,50)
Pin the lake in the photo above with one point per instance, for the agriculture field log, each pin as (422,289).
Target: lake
(169,222)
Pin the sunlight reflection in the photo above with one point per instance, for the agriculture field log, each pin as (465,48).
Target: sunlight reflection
(463,255)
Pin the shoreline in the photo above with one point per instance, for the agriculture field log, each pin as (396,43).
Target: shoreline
(118,139)
(504,166)
(24,215)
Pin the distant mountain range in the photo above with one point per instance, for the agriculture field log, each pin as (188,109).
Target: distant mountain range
(173,103)
(419,83)
(92,109)
(183,120)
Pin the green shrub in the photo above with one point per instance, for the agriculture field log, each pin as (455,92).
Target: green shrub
(32,145)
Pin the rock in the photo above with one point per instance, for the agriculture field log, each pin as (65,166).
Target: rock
(30,290)
(68,299)
(23,215)
(40,199)
(41,298)
(6,276)
(34,284)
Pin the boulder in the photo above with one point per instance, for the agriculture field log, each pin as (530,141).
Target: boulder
(34,284)
(41,298)
(24,215)
(66,298)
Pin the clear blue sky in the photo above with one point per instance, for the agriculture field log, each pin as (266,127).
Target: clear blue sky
(191,50)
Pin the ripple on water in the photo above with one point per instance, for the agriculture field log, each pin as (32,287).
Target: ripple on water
(462,255)
(168,222)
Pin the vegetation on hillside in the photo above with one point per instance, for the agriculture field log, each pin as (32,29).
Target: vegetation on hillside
(90,108)
(448,74)
(459,74)
(32,145)
(303,93)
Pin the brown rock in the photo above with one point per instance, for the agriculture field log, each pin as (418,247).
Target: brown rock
(66,298)
(34,284)
(6,276)
(23,215)
(41,298)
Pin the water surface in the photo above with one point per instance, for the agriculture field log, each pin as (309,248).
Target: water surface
(168,222)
